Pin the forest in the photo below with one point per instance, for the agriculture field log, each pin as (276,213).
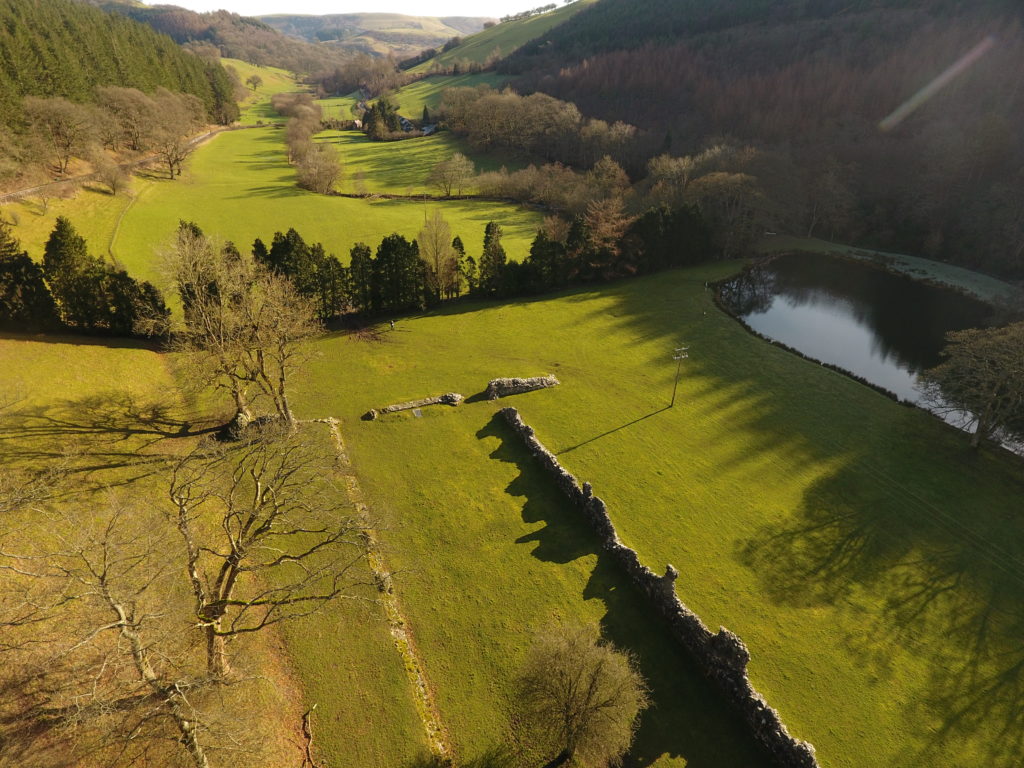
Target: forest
(810,84)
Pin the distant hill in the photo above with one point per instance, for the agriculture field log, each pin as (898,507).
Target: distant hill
(66,48)
(504,38)
(233,36)
(376,33)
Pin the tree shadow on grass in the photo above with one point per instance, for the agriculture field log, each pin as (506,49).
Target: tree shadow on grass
(950,576)
(688,718)
(106,432)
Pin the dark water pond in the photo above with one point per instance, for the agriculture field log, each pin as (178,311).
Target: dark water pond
(884,327)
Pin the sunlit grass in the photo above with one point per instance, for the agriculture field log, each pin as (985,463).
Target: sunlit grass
(804,511)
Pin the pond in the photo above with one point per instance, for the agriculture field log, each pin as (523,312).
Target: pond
(881,326)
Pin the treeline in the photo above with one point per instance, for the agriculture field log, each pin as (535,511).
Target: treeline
(804,83)
(373,75)
(72,290)
(402,275)
(319,167)
(539,126)
(122,120)
(66,49)
(527,14)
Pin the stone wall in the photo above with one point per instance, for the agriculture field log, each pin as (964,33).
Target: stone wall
(448,398)
(504,387)
(721,655)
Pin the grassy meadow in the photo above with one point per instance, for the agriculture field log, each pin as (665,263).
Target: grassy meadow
(256,106)
(401,167)
(866,556)
(411,99)
(239,186)
(503,39)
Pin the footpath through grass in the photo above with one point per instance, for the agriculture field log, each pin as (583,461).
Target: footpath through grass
(870,560)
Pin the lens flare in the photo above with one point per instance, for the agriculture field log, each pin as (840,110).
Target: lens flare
(915,102)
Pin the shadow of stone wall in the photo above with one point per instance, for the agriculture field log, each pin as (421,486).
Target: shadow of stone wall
(721,655)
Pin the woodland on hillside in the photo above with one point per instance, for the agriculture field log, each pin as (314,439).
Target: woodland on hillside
(809,85)
(222,33)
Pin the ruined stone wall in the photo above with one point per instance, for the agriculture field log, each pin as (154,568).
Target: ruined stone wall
(448,398)
(504,387)
(721,655)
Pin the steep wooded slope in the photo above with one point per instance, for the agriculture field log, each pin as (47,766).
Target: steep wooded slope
(65,48)
(812,82)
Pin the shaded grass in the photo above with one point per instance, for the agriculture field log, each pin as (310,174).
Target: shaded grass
(867,557)
(401,167)
(239,186)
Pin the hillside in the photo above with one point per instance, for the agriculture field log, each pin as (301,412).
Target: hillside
(379,34)
(64,48)
(228,34)
(503,39)
(810,83)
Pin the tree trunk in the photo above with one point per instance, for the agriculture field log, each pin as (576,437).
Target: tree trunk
(169,695)
(217,663)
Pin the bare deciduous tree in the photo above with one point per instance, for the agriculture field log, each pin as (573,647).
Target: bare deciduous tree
(265,538)
(242,328)
(451,174)
(435,242)
(982,377)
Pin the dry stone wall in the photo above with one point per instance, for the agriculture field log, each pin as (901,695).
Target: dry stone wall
(721,655)
(448,398)
(504,387)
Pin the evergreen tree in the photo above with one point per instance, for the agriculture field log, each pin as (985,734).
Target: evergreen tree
(492,262)
(25,301)
(360,278)
(73,275)
(547,260)
(398,276)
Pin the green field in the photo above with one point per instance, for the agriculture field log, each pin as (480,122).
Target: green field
(111,412)
(866,556)
(239,187)
(427,92)
(256,106)
(92,209)
(401,167)
(503,39)
(413,97)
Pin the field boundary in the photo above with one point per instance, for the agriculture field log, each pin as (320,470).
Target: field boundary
(398,624)
(721,655)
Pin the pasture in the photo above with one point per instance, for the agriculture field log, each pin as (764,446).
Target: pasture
(401,167)
(866,556)
(502,39)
